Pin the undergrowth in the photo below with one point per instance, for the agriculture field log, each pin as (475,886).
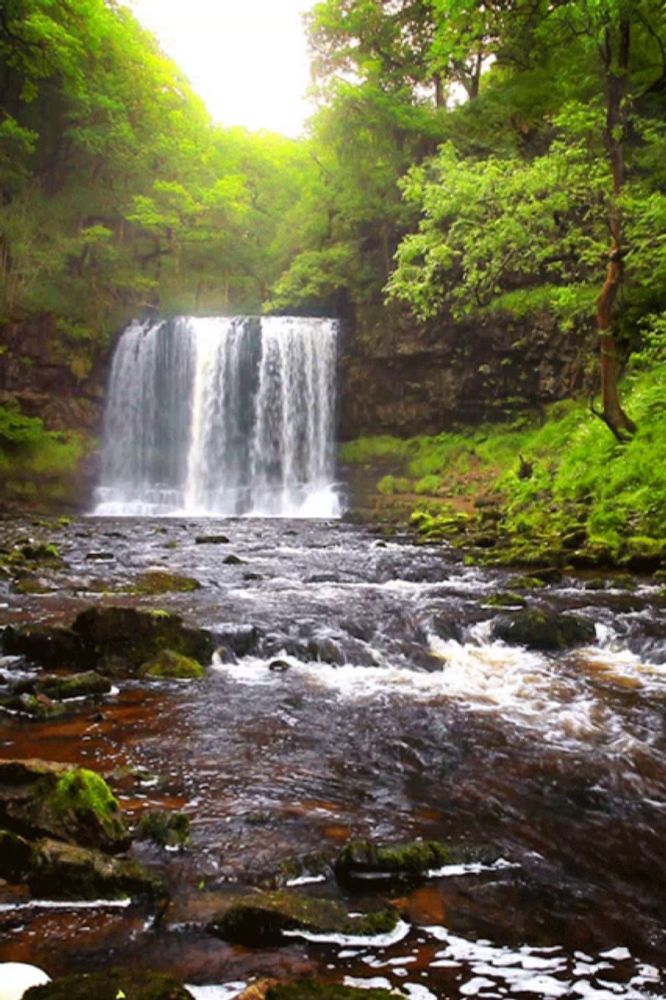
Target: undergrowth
(552,477)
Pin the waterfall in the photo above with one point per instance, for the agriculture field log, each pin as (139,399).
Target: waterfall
(221,416)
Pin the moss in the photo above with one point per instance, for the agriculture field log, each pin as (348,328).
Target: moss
(110,985)
(507,599)
(260,919)
(86,685)
(170,665)
(164,828)
(154,582)
(362,858)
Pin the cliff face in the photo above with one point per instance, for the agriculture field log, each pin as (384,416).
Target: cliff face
(61,382)
(404,378)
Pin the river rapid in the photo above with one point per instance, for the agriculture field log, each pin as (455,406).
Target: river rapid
(394,716)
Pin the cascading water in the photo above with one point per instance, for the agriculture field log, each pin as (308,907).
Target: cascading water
(223,417)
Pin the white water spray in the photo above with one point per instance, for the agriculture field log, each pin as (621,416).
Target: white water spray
(221,417)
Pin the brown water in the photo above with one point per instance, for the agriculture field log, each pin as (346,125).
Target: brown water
(554,764)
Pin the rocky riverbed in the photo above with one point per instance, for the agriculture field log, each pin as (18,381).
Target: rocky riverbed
(350,699)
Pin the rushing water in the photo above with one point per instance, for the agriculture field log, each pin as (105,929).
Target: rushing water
(399,717)
(221,416)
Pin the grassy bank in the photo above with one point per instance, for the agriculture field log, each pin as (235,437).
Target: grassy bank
(555,487)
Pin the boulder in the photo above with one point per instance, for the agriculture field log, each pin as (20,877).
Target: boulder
(160,581)
(546,631)
(238,639)
(169,665)
(363,860)
(119,640)
(41,799)
(168,829)
(53,648)
(261,918)
(111,984)
(67,871)
(86,685)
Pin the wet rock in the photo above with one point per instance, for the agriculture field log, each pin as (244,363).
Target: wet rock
(120,640)
(544,630)
(68,871)
(261,918)
(505,599)
(167,829)
(87,685)
(50,647)
(242,640)
(169,665)
(111,984)
(35,706)
(29,583)
(527,582)
(16,855)
(279,666)
(211,540)
(158,581)
(447,628)
(38,798)
(100,556)
(310,989)
(326,650)
(363,859)
(234,561)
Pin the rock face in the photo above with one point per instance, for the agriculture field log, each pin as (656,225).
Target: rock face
(111,984)
(544,630)
(402,377)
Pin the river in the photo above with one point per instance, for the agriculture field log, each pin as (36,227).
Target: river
(420,725)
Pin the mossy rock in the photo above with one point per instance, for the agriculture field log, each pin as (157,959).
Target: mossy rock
(87,685)
(49,647)
(642,554)
(260,919)
(33,706)
(164,828)
(544,630)
(311,989)
(172,666)
(506,599)
(361,859)
(71,804)
(527,582)
(111,984)
(68,871)
(29,584)
(120,640)
(158,581)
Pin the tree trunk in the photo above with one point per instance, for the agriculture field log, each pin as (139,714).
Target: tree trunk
(616,84)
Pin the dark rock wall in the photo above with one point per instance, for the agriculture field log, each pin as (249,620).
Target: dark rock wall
(402,377)
(61,382)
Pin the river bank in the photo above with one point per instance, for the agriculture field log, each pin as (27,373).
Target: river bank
(393,712)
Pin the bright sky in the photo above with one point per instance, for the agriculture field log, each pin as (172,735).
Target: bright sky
(246,58)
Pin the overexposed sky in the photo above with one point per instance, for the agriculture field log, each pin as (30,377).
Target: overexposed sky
(246,58)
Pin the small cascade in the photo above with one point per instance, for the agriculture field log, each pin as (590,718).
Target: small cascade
(221,416)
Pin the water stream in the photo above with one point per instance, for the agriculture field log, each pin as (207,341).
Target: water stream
(399,717)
